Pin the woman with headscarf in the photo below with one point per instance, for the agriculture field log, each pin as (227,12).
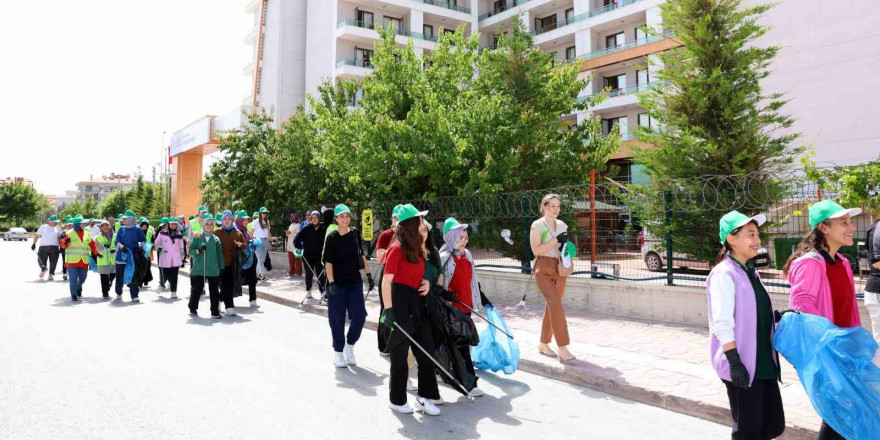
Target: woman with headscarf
(130,239)
(262,230)
(207,263)
(249,267)
(105,241)
(311,240)
(294,264)
(169,244)
(148,237)
(78,245)
(232,241)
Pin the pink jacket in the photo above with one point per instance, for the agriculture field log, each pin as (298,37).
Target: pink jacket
(171,255)
(810,291)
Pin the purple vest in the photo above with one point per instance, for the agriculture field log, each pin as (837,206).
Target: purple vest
(744,316)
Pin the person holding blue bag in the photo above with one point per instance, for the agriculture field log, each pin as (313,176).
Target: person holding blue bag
(129,240)
(79,247)
(105,242)
(249,266)
(741,323)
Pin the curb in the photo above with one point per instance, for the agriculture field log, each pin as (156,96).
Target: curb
(615,388)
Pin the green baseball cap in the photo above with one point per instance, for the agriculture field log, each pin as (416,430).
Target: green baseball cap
(256,214)
(202,209)
(735,219)
(192,217)
(208,216)
(341,209)
(53,218)
(163,221)
(451,223)
(129,213)
(79,219)
(173,220)
(118,216)
(827,209)
(68,219)
(244,214)
(396,210)
(263,209)
(409,211)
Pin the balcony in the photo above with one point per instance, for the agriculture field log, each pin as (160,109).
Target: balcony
(353,68)
(628,51)
(509,5)
(364,32)
(445,4)
(623,97)
(584,16)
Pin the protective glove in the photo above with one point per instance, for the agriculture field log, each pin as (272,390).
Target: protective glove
(483,300)
(387,318)
(370,282)
(562,238)
(447,295)
(112,251)
(332,289)
(739,376)
(777,315)
(33,246)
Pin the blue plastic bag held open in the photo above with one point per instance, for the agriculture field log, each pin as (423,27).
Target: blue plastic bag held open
(496,351)
(835,368)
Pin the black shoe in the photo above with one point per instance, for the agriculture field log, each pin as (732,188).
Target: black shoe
(106,296)
(217,316)
(79,292)
(74,298)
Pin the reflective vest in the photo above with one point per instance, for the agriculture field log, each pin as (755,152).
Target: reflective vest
(105,258)
(78,251)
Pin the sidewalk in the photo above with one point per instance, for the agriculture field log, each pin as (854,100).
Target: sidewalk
(661,365)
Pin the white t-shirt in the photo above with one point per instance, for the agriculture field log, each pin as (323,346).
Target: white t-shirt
(96,231)
(294,229)
(259,232)
(48,235)
(540,226)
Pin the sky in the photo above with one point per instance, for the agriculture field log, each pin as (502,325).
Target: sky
(88,87)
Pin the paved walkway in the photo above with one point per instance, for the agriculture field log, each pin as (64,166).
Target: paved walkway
(662,365)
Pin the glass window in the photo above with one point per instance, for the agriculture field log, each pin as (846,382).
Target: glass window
(615,124)
(640,33)
(394,22)
(363,57)
(645,120)
(615,82)
(642,77)
(614,40)
(545,24)
(428,31)
(570,53)
(366,19)
(569,14)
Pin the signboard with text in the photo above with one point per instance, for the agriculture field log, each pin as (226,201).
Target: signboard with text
(191,136)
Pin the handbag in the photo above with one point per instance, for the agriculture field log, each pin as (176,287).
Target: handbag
(563,271)
(268,263)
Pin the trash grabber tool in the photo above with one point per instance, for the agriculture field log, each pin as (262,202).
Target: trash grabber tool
(522,302)
(484,318)
(437,364)
(312,271)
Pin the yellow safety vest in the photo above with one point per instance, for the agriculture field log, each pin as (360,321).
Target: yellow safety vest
(106,259)
(78,251)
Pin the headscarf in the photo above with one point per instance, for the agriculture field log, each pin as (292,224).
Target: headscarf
(173,235)
(77,226)
(109,234)
(241,224)
(130,222)
(450,238)
(228,213)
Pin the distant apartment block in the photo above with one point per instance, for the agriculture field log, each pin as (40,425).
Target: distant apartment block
(97,189)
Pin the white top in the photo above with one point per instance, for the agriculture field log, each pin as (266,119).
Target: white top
(294,229)
(539,225)
(259,232)
(723,300)
(48,235)
(96,231)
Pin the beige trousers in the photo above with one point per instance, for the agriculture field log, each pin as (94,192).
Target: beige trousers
(552,287)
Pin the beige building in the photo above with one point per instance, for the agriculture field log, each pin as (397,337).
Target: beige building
(97,189)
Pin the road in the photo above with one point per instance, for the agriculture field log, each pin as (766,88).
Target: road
(116,370)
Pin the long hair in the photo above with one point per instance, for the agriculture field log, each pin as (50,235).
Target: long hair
(264,221)
(814,241)
(410,239)
(433,253)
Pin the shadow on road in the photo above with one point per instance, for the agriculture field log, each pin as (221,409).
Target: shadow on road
(362,380)
(208,321)
(66,301)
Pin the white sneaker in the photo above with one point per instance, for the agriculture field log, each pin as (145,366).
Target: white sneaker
(348,351)
(410,386)
(135,300)
(254,305)
(174,294)
(339,360)
(231,311)
(425,406)
(477,392)
(403,409)
(436,401)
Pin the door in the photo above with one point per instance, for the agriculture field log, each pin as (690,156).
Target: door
(394,22)
(366,19)
(363,57)
(428,31)
(642,77)
(569,14)
(616,82)
(614,40)
(641,34)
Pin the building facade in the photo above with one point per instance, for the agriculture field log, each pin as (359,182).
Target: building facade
(97,189)
(21,180)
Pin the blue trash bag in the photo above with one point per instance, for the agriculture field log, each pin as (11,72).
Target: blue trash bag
(496,351)
(129,268)
(835,368)
(147,249)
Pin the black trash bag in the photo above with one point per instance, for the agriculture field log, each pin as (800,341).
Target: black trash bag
(383,332)
(450,358)
(453,324)
(142,273)
(268,263)
(237,277)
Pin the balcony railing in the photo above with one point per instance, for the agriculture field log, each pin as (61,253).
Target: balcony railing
(354,62)
(508,5)
(584,16)
(372,26)
(625,46)
(445,4)
(635,89)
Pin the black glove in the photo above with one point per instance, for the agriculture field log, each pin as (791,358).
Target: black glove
(370,283)
(562,238)
(112,251)
(777,315)
(483,300)
(739,376)
(387,318)
(332,289)
(33,246)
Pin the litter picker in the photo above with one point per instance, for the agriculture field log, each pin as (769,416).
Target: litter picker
(437,364)
(484,318)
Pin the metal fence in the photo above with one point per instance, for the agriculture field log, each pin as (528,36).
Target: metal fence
(611,226)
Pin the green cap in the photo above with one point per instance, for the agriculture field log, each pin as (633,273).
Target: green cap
(827,209)
(173,220)
(263,209)
(79,219)
(256,214)
(340,209)
(53,218)
(734,220)
(163,221)
(409,211)
(208,216)
(202,209)
(244,214)
(396,211)
(428,224)
(129,213)
(68,218)
(119,217)
(451,223)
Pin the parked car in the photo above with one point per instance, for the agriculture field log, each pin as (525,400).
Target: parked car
(15,234)
(655,257)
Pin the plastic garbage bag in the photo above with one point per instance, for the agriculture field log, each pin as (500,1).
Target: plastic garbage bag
(835,368)
(129,268)
(93,265)
(496,351)
(147,249)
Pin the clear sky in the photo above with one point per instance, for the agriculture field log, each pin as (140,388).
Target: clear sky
(88,86)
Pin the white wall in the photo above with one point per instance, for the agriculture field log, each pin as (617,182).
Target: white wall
(320,42)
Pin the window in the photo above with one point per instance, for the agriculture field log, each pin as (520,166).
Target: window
(641,34)
(498,6)
(545,24)
(642,77)
(363,57)
(428,31)
(394,22)
(569,14)
(612,3)
(624,170)
(615,82)
(495,39)
(646,120)
(570,53)
(614,40)
(619,125)
(366,19)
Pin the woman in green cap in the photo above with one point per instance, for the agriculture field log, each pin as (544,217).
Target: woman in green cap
(207,263)
(105,241)
(262,230)
(163,223)
(148,233)
(48,236)
(821,278)
(741,327)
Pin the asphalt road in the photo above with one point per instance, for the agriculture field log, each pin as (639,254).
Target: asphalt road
(117,370)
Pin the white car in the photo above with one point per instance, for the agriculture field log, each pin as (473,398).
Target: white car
(655,257)
(15,234)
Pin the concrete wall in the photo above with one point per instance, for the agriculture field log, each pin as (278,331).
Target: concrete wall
(320,42)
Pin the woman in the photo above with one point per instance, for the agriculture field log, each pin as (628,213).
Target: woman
(232,242)
(343,259)
(130,239)
(262,230)
(249,268)
(168,245)
(741,323)
(105,241)
(311,240)
(148,234)
(294,265)
(78,245)
(821,278)
(460,278)
(547,236)
(385,239)
(207,262)
(402,287)
(163,222)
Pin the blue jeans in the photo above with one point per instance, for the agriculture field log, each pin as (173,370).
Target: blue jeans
(76,276)
(349,299)
(262,251)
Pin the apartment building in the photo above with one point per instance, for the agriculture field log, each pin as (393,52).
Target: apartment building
(97,189)
(14,180)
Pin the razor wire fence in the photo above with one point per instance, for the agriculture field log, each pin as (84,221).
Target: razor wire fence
(664,234)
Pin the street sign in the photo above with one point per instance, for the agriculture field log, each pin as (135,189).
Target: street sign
(367,225)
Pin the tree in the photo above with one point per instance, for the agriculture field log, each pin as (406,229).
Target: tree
(713,120)
(19,202)
(90,209)
(114,204)
(855,185)
(71,209)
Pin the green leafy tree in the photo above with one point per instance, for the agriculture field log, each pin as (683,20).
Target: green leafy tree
(71,209)
(713,120)
(114,204)
(19,202)
(855,185)
(90,208)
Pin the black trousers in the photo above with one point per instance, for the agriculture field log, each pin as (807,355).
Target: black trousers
(106,282)
(49,253)
(197,287)
(63,266)
(407,307)
(226,286)
(313,268)
(382,333)
(828,433)
(757,411)
(170,274)
(162,277)
(250,277)
(469,363)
